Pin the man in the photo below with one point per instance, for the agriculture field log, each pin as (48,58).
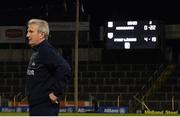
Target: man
(47,72)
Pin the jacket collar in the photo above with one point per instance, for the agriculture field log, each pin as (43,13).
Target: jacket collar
(36,47)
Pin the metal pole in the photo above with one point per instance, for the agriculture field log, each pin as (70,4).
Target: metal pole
(172,103)
(118,101)
(0,101)
(65,101)
(76,57)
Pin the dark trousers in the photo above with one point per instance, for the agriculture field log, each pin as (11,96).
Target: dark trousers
(44,109)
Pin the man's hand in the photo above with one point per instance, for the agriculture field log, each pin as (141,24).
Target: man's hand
(53,98)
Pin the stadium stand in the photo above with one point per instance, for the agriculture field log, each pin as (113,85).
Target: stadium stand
(139,80)
(111,84)
(104,81)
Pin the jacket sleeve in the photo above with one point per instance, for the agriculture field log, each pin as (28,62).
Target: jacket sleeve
(59,70)
(62,75)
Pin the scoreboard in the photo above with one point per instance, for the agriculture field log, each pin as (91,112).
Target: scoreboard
(142,34)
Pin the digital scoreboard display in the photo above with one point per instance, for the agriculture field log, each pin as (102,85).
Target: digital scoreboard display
(143,34)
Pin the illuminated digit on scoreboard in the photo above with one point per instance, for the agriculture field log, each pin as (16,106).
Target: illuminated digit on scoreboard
(145,27)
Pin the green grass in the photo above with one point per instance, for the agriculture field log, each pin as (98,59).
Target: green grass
(82,114)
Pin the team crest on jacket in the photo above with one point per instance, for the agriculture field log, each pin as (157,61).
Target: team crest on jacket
(33,64)
(30,72)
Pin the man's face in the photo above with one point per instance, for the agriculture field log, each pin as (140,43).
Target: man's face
(34,37)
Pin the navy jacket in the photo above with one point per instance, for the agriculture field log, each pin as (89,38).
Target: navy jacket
(47,72)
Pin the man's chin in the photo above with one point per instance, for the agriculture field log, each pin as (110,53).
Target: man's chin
(32,45)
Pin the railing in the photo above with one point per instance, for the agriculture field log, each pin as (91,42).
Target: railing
(146,89)
(154,84)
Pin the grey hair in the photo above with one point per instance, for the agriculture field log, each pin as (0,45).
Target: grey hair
(43,26)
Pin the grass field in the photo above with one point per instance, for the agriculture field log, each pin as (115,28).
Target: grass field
(83,114)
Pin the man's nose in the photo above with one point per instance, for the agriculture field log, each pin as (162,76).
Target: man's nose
(27,35)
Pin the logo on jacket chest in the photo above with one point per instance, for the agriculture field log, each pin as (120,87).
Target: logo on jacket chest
(30,72)
(31,69)
(33,64)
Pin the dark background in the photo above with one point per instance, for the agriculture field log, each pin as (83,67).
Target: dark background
(18,12)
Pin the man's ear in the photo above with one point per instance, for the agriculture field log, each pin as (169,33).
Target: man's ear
(42,35)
